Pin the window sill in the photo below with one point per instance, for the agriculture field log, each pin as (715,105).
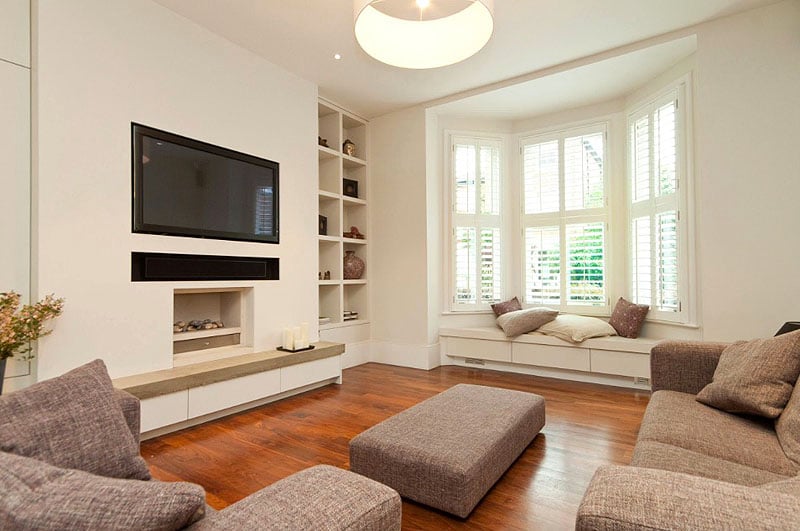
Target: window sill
(468,312)
(693,326)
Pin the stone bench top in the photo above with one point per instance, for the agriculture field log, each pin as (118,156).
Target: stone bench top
(641,345)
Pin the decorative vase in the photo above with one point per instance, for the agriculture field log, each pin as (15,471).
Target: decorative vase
(348,148)
(353,266)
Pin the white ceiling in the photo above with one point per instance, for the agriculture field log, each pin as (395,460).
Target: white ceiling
(576,87)
(303,35)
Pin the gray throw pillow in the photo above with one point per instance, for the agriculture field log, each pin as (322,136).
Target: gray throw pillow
(755,377)
(511,305)
(787,427)
(628,318)
(523,321)
(40,496)
(72,421)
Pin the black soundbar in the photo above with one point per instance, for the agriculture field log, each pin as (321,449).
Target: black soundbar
(159,267)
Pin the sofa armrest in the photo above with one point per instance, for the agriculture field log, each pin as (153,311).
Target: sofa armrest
(685,366)
(320,497)
(131,410)
(632,498)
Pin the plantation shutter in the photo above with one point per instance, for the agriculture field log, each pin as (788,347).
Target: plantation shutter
(477,223)
(655,229)
(564,219)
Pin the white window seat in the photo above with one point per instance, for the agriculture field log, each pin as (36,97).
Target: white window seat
(616,356)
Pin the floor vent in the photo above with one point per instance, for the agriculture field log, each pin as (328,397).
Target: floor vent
(473,361)
(640,380)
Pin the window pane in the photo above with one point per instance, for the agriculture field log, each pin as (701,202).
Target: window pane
(540,177)
(465,265)
(583,172)
(491,266)
(464,165)
(667,274)
(542,265)
(490,180)
(642,263)
(665,148)
(640,149)
(585,264)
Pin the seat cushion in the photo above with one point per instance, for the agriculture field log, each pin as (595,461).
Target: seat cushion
(787,426)
(652,454)
(40,496)
(678,419)
(72,421)
(321,497)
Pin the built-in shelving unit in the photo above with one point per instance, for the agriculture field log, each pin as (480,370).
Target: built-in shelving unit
(337,295)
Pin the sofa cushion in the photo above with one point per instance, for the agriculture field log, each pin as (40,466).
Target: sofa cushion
(755,377)
(511,305)
(678,419)
(72,421)
(653,454)
(41,496)
(576,328)
(321,497)
(786,486)
(787,426)
(523,321)
(628,318)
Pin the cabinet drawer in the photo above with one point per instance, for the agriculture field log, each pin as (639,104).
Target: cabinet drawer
(222,395)
(478,348)
(621,363)
(310,372)
(576,359)
(164,410)
(203,343)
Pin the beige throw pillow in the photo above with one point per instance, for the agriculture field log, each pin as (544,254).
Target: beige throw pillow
(755,377)
(523,321)
(576,328)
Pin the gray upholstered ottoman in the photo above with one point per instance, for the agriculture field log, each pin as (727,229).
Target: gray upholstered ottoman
(449,450)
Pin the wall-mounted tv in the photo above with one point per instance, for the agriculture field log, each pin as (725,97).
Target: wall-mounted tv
(184,187)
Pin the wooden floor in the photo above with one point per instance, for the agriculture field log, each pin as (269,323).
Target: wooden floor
(587,425)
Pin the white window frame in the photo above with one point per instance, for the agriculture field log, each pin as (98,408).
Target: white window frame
(564,217)
(683,200)
(453,137)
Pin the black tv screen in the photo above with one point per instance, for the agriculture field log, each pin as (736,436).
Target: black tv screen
(184,187)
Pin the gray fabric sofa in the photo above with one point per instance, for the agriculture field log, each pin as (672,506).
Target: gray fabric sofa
(67,461)
(694,467)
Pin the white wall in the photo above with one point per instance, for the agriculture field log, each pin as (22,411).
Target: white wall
(746,178)
(102,65)
(748,163)
(15,155)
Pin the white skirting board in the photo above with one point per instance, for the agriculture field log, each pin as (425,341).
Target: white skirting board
(414,356)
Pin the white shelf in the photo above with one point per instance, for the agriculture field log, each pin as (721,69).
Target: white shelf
(329,238)
(327,153)
(348,201)
(323,194)
(354,322)
(359,281)
(353,162)
(199,334)
(329,282)
(355,241)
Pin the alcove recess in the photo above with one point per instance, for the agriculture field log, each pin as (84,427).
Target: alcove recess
(230,306)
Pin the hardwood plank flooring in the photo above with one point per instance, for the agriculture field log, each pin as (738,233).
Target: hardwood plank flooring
(587,425)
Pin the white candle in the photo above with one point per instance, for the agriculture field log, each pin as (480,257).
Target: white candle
(288,339)
(298,339)
(304,334)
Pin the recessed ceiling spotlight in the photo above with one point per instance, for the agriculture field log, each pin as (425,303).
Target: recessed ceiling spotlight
(422,4)
(337,56)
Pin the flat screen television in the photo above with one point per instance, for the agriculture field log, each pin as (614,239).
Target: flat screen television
(184,187)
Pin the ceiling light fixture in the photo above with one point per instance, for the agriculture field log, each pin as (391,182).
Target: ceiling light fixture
(423,34)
